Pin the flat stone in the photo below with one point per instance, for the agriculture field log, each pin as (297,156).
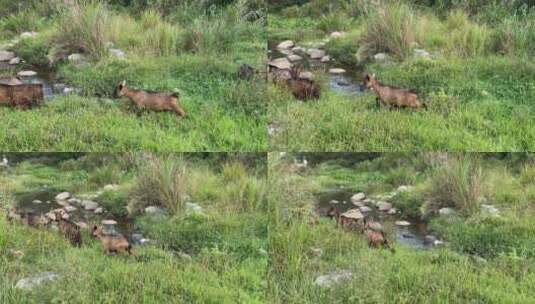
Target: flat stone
(6,56)
(31,282)
(335,278)
(358,197)
(27,73)
(37,202)
(287,44)
(421,53)
(489,209)
(154,210)
(353,214)
(447,211)
(74,201)
(109,222)
(15,61)
(294,58)
(99,210)
(299,49)
(392,211)
(384,206)
(281,63)
(381,57)
(194,208)
(89,205)
(337,35)
(325,59)
(70,208)
(402,223)
(28,35)
(336,71)
(117,53)
(63,196)
(334,202)
(315,53)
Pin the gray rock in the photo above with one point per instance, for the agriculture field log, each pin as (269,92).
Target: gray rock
(194,208)
(38,279)
(89,205)
(28,35)
(392,211)
(27,73)
(280,63)
(315,53)
(154,210)
(37,202)
(334,202)
(15,61)
(337,35)
(69,208)
(358,197)
(294,58)
(381,57)
(63,196)
(99,210)
(421,53)
(447,211)
(429,239)
(6,56)
(325,59)
(490,210)
(384,206)
(299,49)
(403,188)
(76,58)
(287,44)
(111,187)
(403,223)
(335,278)
(117,53)
(74,201)
(336,71)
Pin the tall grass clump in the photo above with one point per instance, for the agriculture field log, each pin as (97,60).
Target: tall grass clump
(161,182)
(515,35)
(390,29)
(242,191)
(465,37)
(84,27)
(457,183)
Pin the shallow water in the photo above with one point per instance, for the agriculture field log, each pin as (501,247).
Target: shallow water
(412,236)
(348,83)
(51,85)
(25,203)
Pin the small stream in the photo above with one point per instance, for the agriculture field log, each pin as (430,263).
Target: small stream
(42,201)
(412,236)
(348,83)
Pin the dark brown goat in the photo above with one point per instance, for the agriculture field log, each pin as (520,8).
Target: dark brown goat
(69,229)
(392,96)
(152,100)
(303,89)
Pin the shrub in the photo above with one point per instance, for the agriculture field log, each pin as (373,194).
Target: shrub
(391,29)
(34,51)
(457,183)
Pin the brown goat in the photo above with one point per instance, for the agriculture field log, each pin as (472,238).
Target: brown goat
(112,243)
(376,236)
(392,96)
(152,100)
(303,89)
(69,229)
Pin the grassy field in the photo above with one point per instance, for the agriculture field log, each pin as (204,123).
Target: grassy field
(485,259)
(478,81)
(191,48)
(218,256)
